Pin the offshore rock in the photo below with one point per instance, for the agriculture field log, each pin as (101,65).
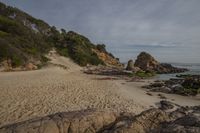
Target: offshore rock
(147,62)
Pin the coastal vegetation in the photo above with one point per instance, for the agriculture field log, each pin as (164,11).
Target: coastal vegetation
(23,37)
(145,74)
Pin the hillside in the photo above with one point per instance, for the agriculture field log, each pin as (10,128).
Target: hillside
(25,39)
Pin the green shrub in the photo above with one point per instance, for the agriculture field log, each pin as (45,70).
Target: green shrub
(63,51)
(44,59)
(131,74)
(3,34)
(80,49)
(101,47)
(145,74)
(16,61)
(19,42)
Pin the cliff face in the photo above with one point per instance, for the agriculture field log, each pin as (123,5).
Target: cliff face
(148,63)
(107,58)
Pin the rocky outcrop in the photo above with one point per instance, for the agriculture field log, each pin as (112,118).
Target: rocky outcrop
(143,123)
(107,58)
(166,105)
(186,85)
(131,67)
(148,63)
(89,121)
(182,120)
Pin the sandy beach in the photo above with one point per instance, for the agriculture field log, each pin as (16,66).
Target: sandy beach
(30,94)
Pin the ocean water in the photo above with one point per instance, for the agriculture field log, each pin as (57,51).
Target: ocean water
(194,68)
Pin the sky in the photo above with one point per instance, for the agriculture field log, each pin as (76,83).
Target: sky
(167,29)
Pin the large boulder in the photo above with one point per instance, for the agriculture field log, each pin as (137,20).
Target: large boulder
(91,121)
(85,121)
(186,124)
(165,105)
(142,123)
(131,67)
(183,120)
(147,62)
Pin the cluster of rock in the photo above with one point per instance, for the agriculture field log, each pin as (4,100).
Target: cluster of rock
(107,58)
(6,65)
(105,70)
(131,67)
(146,62)
(182,120)
(183,86)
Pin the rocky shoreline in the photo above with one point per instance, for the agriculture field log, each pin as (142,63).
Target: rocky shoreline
(181,120)
(146,62)
(183,85)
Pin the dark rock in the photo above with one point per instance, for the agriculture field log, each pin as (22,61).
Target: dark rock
(192,85)
(165,105)
(89,121)
(150,94)
(182,86)
(174,128)
(177,89)
(189,120)
(186,124)
(161,89)
(182,121)
(145,61)
(131,67)
(168,68)
(93,121)
(160,84)
(143,123)
(179,112)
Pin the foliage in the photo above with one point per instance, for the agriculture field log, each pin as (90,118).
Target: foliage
(20,42)
(145,74)
(63,51)
(79,48)
(16,61)
(101,47)
(191,85)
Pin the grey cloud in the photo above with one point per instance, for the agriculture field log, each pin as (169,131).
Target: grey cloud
(123,22)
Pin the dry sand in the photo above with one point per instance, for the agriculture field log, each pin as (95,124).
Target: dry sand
(30,94)
(25,95)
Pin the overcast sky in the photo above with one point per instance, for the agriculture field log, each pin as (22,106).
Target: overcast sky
(168,29)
